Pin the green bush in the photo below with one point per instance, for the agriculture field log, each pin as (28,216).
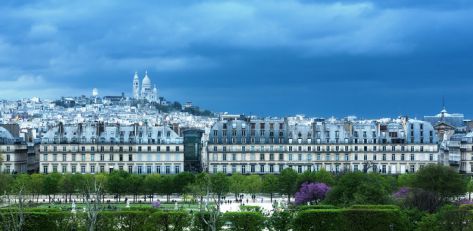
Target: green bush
(169,221)
(452,219)
(245,221)
(374,219)
(466,206)
(280,221)
(250,208)
(374,207)
(201,219)
(122,220)
(308,207)
(319,219)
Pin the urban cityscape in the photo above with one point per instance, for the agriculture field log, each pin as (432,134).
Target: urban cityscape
(236,115)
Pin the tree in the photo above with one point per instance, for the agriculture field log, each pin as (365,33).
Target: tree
(181,180)
(51,184)
(116,183)
(36,185)
(67,185)
(469,188)
(134,185)
(441,180)
(321,176)
(253,184)
(166,186)
(405,180)
(200,187)
(220,185)
(360,188)
(237,184)
(270,185)
(311,192)
(151,183)
(288,183)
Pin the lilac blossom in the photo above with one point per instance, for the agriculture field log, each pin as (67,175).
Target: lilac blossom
(156,204)
(310,192)
(402,193)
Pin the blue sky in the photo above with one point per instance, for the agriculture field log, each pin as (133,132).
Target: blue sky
(319,58)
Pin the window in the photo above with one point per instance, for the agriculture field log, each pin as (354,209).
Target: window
(158,169)
(54,168)
(102,168)
(347,157)
(393,157)
(45,169)
(140,169)
(82,169)
(83,157)
(299,169)
(148,169)
(252,168)
(271,156)
(261,168)
(412,168)
(243,169)
(102,157)
(130,168)
(73,169)
(130,157)
(214,169)
(92,157)
(356,156)
(327,157)
(168,169)
(120,157)
(45,157)
(431,157)
(412,157)
(92,169)
(64,157)
(177,169)
(402,157)
(224,169)
(111,157)
(64,169)
(8,157)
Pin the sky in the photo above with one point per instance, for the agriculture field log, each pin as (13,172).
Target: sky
(318,58)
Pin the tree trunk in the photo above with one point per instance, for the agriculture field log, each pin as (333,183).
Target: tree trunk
(271,195)
(288,198)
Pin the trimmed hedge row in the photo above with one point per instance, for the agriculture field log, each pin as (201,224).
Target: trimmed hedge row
(350,219)
(307,207)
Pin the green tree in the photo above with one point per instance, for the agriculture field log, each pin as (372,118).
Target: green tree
(151,183)
(270,185)
(360,188)
(321,176)
(67,186)
(134,185)
(116,183)
(469,188)
(237,184)
(220,185)
(288,182)
(253,184)
(441,180)
(406,180)
(181,180)
(166,186)
(36,185)
(51,184)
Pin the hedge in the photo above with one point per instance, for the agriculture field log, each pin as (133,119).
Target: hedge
(319,219)
(200,221)
(374,207)
(169,221)
(244,221)
(250,208)
(308,207)
(122,220)
(466,206)
(38,221)
(374,219)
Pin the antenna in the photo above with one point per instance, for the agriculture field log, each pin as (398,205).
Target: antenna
(443,102)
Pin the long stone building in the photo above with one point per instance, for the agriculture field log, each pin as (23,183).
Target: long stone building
(259,146)
(98,147)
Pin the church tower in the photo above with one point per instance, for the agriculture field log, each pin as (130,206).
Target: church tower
(136,86)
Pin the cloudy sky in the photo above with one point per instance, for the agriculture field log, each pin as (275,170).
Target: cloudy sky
(319,58)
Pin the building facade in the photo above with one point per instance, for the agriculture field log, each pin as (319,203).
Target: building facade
(94,148)
(259,146)
(13,153)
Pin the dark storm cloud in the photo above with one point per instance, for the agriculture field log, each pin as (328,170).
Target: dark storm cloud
(379,58)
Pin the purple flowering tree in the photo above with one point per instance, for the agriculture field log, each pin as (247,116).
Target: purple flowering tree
(156,204)
(311,192)
(402,193)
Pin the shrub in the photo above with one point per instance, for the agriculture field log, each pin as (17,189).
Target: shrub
(322,219)
(201,219)
(374,207)
(280,221)
(250,208)
(245,221)
(466,206)
(169,221)
(122,220)
(307,207)
(374,219)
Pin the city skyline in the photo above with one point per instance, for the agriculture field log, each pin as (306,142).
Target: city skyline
(267,58)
